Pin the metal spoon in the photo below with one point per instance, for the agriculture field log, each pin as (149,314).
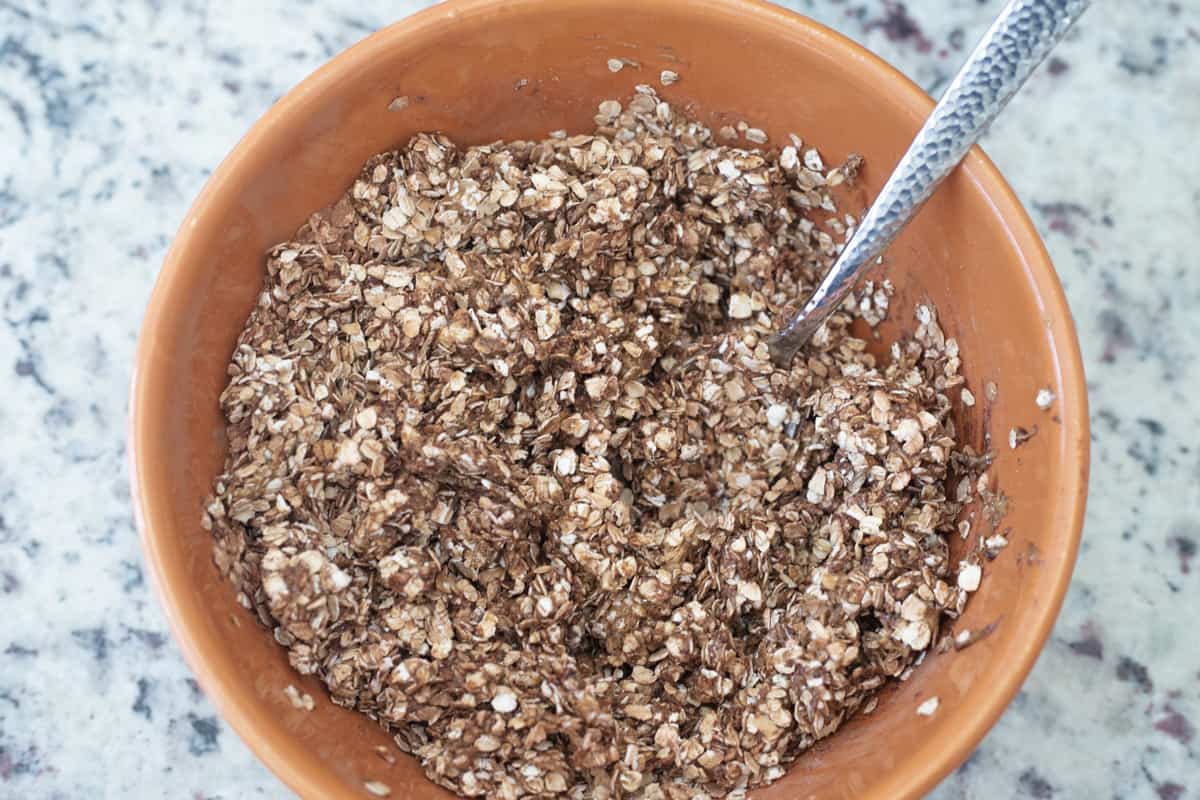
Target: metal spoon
(1024,33)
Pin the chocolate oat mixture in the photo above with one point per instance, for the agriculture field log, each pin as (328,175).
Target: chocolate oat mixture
(511,471)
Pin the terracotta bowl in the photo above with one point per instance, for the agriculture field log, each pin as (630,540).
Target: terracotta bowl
(973,252)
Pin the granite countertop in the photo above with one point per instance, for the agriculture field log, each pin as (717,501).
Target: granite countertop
(113,113)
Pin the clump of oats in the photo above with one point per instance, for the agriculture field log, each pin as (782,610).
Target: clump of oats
(511,470)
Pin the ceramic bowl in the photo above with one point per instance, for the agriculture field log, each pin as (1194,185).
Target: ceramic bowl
(972,252)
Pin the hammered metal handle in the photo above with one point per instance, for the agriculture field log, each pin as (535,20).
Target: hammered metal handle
(1024,33)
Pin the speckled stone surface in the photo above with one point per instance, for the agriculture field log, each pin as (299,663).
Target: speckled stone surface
(113,113)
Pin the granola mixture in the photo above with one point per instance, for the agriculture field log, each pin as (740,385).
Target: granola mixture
(511,471)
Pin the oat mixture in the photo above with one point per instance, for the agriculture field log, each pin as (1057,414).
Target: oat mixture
(511,471)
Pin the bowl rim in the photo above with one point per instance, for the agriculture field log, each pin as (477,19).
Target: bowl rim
(307,777)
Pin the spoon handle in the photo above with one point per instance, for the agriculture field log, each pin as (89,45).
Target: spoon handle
(1024,33)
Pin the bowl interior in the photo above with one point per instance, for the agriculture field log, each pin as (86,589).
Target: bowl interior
(972,253)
